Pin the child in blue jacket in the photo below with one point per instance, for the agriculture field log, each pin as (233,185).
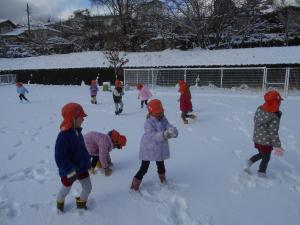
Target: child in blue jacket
(72,157)
(21,90)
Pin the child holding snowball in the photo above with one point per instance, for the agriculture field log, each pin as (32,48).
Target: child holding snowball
(154,145)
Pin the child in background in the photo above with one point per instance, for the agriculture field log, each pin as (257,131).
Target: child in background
(266,137)
(154,144)
(185,103)
(93,90)
(143,94)
(72,157)
(21,90)
(99,146)
(117,96)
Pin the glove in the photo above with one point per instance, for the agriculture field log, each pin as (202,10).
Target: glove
(278,151)
(167,135)
(173,132)
(107,171)
(72,177)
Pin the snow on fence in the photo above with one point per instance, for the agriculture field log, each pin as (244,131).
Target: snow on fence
(261,78)
(7,79)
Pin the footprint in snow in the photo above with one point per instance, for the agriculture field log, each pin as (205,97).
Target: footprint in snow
(18,144)
(172,207)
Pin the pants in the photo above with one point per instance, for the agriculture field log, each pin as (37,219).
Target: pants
(21,96)
(119,105)
(144,168)
(265,158)
(185,115)
(86,189)
(142,103)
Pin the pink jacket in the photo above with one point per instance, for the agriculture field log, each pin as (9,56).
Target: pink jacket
(99,144)
(144,93)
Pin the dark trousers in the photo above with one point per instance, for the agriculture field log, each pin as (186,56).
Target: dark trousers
(21,96)
(185,115)
(142,103)
(94,159)
(265,158)
(144,168)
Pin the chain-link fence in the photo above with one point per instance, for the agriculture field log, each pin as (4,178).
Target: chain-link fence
(243,77)
(7,79)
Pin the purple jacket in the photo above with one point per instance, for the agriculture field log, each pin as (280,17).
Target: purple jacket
(93,89)
(144,93)
(153,146)
(99,144)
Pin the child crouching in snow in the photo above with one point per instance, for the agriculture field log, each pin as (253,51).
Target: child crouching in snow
(21,90)
(71,156)
(266,137)
(143,94)
(93,91)
(99,146)
(154,144)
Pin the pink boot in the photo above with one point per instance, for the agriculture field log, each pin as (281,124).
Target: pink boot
(162,178)
(135,185)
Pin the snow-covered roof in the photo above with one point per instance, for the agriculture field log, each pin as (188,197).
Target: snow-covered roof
(7,20)
(21,30)
(167,58)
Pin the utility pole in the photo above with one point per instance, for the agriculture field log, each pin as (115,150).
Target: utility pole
(28,21)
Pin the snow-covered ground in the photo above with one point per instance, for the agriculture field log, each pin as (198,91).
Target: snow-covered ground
(206,185)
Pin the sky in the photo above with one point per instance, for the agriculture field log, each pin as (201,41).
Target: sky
(45,9)
(15,10)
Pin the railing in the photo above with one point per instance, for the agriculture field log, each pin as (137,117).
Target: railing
(262,78)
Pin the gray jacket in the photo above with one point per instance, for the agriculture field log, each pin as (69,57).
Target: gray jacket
(266,126)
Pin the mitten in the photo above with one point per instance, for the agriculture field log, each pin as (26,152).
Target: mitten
(278,151)
(108,171)
(72,177)
(173,132)
(167,134)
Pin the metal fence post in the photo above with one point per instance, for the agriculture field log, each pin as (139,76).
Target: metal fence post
(221,82)
(287,78)
(152,79)
(265,74)
(184,75)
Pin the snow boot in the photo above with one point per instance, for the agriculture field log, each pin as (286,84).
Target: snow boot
(80,203)
(261,174)
(247,166)
(117,113)
(162,178)
(120,110)
(185,121)
(60,206)
(135,185)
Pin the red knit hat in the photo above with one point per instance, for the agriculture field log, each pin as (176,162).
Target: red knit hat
(155,106)
(118,83)
(69,112)
(139,86)
(117,138)
(19,84)
(272,101)
(93,82)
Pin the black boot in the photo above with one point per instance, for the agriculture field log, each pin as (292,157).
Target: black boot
(120,110)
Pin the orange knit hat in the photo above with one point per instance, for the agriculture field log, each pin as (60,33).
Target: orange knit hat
(117,138)
(272,101)
(183,88)
(118,83)
(69,112)
(139,86)
(93,82)
(155,106)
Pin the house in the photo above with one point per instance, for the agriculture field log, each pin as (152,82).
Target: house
(6,26)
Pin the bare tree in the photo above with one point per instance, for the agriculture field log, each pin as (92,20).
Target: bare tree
(116,60)
(192,15)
